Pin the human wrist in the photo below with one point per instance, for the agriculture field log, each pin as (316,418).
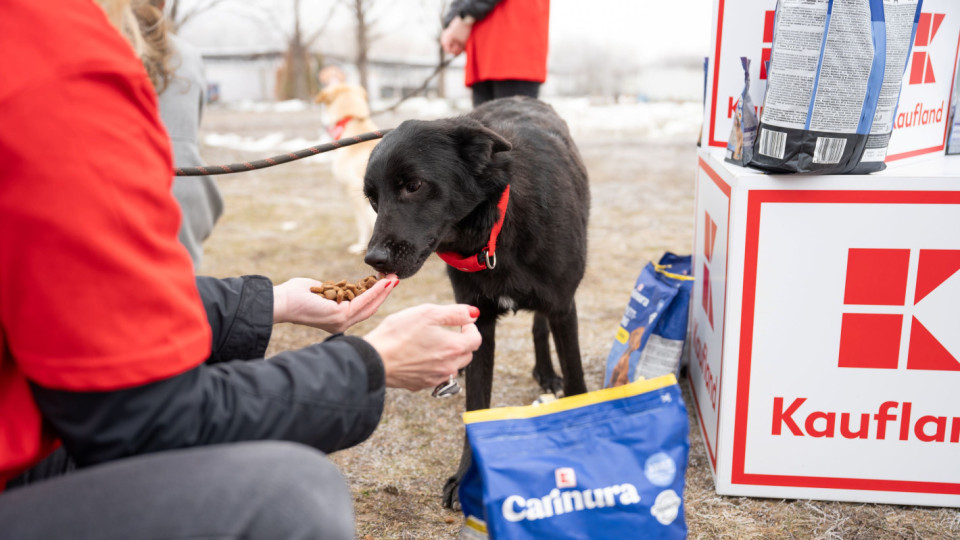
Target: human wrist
(279,305)
(384,345)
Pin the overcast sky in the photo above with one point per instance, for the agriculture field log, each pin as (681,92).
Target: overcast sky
(644,30)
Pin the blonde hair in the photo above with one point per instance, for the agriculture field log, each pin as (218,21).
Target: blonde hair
(145,28)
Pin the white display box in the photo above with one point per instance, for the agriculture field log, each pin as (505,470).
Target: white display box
(825,332)
(745,28)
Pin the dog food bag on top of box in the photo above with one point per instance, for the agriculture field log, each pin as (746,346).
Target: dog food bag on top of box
(744,130)
(823,83)
(605,464)
(900,23)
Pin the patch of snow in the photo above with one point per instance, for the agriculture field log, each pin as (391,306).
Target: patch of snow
(273,142)
(290,105)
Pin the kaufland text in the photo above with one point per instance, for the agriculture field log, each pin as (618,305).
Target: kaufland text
(891,420)
(919,116)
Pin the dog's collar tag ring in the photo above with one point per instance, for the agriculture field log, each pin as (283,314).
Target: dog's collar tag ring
(490,259)
(487,258)
(447,389)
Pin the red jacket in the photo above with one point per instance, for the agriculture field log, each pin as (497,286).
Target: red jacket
(510,43)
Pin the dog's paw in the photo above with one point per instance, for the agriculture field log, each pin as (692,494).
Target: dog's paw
(551,382)
(356,248)
(451,497)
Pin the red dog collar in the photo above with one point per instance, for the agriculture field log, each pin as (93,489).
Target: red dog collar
(487,258)
(337,130)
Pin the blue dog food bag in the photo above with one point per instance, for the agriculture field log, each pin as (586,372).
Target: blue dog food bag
(605,464)
(649,341)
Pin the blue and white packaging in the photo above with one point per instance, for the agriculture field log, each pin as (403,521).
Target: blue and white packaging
(650,339)
(744,131)
(605,464)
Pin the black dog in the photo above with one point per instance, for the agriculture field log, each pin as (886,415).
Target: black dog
(438,186)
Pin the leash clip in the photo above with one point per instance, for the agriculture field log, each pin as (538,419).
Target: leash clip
(447,389)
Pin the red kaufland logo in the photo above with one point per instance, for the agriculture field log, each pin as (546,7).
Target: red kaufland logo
(709,241)
(767,46)
(878,302)
(921,70)
(876,308)
(768,20)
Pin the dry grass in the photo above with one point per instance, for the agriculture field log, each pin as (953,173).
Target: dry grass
(288,221)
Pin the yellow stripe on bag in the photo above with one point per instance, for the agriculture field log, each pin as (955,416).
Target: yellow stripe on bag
(662,268)
(572,402)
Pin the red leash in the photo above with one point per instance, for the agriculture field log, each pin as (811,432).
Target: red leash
(487,258)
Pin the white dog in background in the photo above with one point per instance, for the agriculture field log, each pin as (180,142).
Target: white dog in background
(349,114)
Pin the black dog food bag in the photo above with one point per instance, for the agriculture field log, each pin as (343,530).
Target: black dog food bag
(823,84)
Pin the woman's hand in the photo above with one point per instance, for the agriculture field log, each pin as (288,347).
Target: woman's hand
(454,36)
(418,352)
(294,303)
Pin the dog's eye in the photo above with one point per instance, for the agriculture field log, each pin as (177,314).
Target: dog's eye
(412,186)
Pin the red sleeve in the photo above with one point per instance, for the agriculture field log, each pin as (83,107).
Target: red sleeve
(95,291)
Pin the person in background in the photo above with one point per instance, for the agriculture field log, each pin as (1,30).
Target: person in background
(506,44)
(153,380)
(176,71)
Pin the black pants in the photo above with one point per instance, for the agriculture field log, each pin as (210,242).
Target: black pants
(485,91)
(257,490)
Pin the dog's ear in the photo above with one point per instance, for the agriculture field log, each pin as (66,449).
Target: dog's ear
(477,143)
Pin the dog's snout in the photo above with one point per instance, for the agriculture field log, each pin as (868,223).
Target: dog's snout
(377,257)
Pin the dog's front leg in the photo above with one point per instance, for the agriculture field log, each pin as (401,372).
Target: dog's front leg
(543,371)
(479,383)
(564,328)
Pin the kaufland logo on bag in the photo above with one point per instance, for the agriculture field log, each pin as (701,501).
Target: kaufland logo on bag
(893,319)
(921,67)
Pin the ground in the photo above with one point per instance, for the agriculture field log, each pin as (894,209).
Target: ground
(290,221)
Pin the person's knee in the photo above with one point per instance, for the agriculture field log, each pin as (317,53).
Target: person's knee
(305,496)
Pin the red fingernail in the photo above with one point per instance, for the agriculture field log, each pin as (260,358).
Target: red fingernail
(474,311)
(395,283)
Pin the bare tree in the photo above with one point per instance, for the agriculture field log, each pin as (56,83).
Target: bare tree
(441,77)
(366,33)
(179,17)
(361,13)
(296,77)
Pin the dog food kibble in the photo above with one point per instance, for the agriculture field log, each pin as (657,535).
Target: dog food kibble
(342,290)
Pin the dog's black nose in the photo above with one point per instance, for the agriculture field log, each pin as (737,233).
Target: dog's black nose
(377,257)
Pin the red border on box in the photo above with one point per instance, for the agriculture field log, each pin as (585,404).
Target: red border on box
(725,189)
(755,201)
(716,79)
(946,128)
